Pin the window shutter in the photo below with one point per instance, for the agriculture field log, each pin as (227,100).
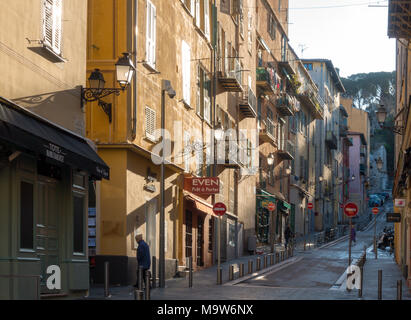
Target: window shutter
(48,23)
(198,13)
(151,34)
(57,25)
(192,7)
(186,53)
(207,18)
(150,123)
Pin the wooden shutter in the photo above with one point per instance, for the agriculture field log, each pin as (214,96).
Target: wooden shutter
(198,14)
(52,24)
(151,34)
(186,62)
(150,123)
(48,23)
(57,25)
(207,18)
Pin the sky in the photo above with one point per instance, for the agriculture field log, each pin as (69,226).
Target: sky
(348,32)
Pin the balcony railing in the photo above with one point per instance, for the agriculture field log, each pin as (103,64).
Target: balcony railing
(231,79)
(313,101)
(287,105)
(248,103)
(232,155)
(286,150)
(266,80)
(399,19)
(268,132)
(331,140)
(287,62)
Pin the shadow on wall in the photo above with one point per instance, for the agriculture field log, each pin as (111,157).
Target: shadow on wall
(60,107)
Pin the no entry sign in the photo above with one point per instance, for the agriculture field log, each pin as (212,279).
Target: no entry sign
(375,210)
(271,206)
(310,205)
(350,209)
(219,209)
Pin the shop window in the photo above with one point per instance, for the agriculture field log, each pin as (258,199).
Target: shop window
(26,215)
(78,224)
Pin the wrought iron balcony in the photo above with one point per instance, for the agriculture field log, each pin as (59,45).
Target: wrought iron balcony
(286,150)
(314,102)
(331,140)
(231,155)
(287,62)
(399,19)
(268,132)
(265,80)
(287,105)
(248,103)
(231,79)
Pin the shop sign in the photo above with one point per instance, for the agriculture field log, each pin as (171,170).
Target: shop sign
(393,217)
(209,185)
(400,203)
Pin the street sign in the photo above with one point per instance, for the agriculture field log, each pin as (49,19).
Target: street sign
(393,217)
(271,206)
(350,209)
(310,205)
(219,209)
(209,185)
(375,210)
(400,203)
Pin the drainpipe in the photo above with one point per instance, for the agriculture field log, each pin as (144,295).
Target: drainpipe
(135,90)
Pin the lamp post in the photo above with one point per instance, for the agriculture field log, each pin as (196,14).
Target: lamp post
(165,87)
(379,163)
(124,71)
(382,117)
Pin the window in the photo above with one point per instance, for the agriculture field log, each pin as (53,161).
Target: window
(52,27)
(198,16)
(78,224)
(271,26)
(150,123)
(186,62)
(26,215)
(151,34)
(187,151)
(250,32)
(203,94)
(190,5)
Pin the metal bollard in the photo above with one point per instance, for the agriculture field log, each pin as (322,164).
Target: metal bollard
(241,272)
(399,289)
(265,261)
(106,279)
(258,266)
(379,284)
(219,276)
(277,257)
(304,245)
(138,294)
(282,255)
(250,266)
(271,259)
(231,273)
(190,272)
(140,278)
(361,281)
(154,275)
(147,291)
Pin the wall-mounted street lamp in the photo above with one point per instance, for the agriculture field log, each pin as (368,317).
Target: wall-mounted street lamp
(270,159)
(382,116)
(124,71)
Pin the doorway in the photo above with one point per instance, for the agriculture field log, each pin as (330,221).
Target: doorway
(151,225)
(47,241)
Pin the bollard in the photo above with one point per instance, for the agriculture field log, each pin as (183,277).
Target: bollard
(265,261)
(219,276)
(271,259)
(154,275)
(138,294)
(361,281)
(258,266)
(282,255)
(106,279)
(399,289)
(231,273)
(190,272)
(379,284)
(304,245)
(140,278)
(148,276)
(241,272)
(250,266)
(277,257)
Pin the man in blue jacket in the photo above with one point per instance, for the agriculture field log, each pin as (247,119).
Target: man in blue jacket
(143,257)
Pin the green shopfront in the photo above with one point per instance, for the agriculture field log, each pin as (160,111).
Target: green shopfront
(44,177)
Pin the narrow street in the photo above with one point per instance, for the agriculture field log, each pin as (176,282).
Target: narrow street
(316,274)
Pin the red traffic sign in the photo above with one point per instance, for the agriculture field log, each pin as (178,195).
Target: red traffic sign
(271,206)
(310,205)
(375,210)
(219,209)
(350,209)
